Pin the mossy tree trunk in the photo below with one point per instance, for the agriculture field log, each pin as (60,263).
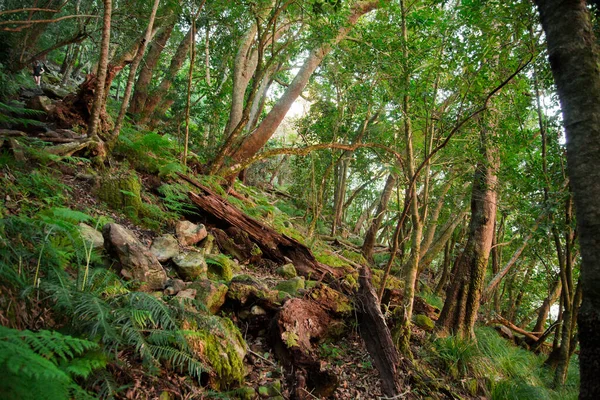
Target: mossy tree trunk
(462,299)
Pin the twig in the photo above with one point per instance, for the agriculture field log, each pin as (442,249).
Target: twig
(261,357)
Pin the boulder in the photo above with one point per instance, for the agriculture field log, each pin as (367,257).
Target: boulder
(220,267)
(164,247)
(287,271)
(190,266)
(174,286)
(219,343)
(41,103)
(136,262)
(187,294)
(91,236)
(211,294)
(244,288)
(55,92)
(189,233)
(122,191)
(291,286)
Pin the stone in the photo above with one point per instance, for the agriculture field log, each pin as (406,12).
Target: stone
(221,267)
(55,92)
(187,294)
(135,261)
(41,103)
(173,286)
(257,310)
(122,192)
(211,294)
(208,246)
(291,286)
(190,266)
(218,343)
(189,233)
(12,133)
(91,236)
(165,247)
(287,271)
(242,288)
(424,322)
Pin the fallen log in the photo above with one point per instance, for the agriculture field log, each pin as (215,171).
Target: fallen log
(503,321)
(376,335)
(275,246)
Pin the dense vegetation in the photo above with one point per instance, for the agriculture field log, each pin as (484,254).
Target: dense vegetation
(430,151)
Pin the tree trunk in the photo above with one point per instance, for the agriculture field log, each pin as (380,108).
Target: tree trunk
(132,70)
(370,237)
(160,93)
(98,104)
(540,323)
(462,301)
(257,139)
(573,55)
(140,91)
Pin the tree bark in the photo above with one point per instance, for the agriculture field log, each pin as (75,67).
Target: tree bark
(132,71)
(140,91)
(463,297)
(573,55)
(101,73)
(257,139)
(371,235)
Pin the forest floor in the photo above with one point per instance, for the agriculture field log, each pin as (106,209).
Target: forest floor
(34,186)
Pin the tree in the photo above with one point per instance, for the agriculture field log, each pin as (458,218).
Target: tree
(573,55)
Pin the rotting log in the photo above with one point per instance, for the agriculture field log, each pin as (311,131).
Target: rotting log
(376,335)
(274,245)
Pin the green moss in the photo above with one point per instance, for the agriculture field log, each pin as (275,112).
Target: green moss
(291,286)
(221,345)
(424,322)
(220,267)
(122,192)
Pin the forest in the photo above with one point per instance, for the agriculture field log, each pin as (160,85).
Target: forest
(299,199)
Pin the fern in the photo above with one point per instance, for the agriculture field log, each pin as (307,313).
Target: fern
(19,115)
(43,364)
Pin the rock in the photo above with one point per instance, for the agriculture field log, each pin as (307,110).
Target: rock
(190,266)
(54,92)
(173,286)
(211,294)
(257,310)
(424,322)
(122,192)
(208,245)
(504,332)
(91,236)
(291,286)
(219,343)
(331,300)
(187,294)
(136,262)
(221,267)
(189,233)
(165,247)
(244,288)
(287,271)
(41,103)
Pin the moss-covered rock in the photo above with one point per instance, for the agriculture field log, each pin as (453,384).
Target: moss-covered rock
(287,271)
(165,247)
(244,393)
(220,267)
(122,192)
(219,343)
(424,322)
(291,286)
(332,300)
(190,266)
(244,287)
(211,294)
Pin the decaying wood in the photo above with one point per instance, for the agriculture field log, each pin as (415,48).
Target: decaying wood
(376,335)
(273,245)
